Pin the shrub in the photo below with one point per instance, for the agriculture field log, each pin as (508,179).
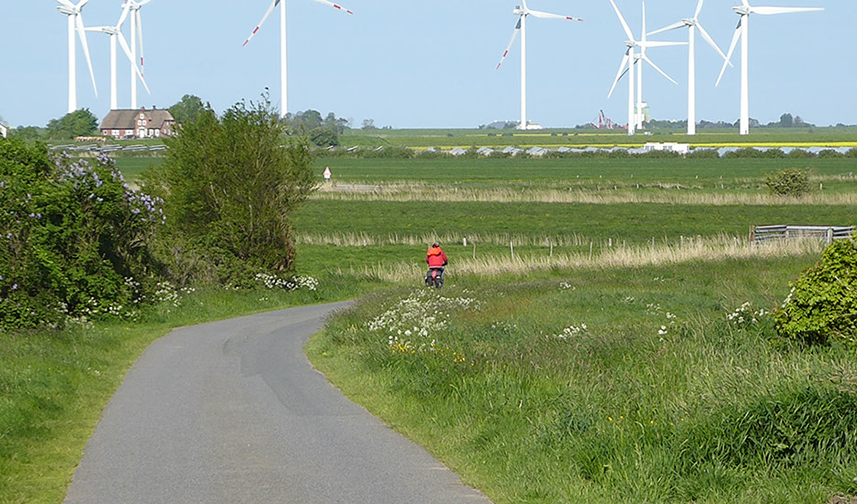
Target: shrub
(230,185)
(74,238)
(823,300)
(789,182)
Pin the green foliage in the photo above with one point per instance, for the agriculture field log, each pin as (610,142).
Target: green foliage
(74,238)
(324,137)
(188,109)
(78,123)
(789,182)
(823,303)
(230,185)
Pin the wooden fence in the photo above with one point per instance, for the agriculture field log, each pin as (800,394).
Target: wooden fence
(826,233)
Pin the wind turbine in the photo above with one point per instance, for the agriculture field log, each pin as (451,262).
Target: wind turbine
(692,24)
(75,23)
(743,32)
(632,58)
(283,54)
(136,38)
(115,33)
(521,28)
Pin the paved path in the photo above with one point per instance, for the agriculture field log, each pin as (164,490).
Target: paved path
(233,412)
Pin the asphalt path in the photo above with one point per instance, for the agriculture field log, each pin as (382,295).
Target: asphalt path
(233,412)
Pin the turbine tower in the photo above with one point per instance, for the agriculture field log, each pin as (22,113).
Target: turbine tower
(692,24)
(743,32)
(115,33)
(136,38)
(75,24)
(521,27)
(283,60)
(630,60)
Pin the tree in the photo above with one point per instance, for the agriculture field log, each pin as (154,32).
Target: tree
(74,124)
(324,137)
(187,109)
(230,186)
(307,120)
(369,124)
(787,121)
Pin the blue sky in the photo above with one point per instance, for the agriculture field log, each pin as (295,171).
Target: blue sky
(414,63)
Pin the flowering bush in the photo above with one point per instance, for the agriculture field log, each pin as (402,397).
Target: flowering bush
(71,232)
(288,284)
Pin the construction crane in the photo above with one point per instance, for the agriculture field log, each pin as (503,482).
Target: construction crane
(603,122)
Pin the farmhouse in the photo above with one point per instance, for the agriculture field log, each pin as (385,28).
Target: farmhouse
(154,123)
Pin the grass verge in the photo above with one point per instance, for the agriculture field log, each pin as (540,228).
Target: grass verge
(608,384)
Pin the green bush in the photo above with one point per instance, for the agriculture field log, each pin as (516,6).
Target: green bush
(74,238)
(230,185)
(822,304)
(789,182)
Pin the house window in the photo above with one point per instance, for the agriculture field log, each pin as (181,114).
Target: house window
(115,133)
(157,133)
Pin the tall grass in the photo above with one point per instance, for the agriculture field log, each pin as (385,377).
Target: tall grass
(610,194)
(692,249)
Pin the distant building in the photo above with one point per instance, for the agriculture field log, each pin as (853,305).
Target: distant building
(3,131)
(126,123)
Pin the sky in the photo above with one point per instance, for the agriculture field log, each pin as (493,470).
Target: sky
(421,64)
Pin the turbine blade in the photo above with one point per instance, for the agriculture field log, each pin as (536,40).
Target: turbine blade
(124,16)
(620,73)
(335,6)
(671,27)
(698,10)
(644,21)
(140,38)
(622,20)
(652,63)
(127,50)
(547,15)
(274,4)
(66,3)
(712,43)
(509,47)
(735,39)
(657,43)
(767,11)
(81,31)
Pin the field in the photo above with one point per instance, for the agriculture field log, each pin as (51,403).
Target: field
(381,212)
(582,349)
(774,137)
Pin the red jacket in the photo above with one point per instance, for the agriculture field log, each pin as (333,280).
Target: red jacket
(436,258)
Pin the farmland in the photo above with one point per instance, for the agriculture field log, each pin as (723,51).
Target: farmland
(583,349)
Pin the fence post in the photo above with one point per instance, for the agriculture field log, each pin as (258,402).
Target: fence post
(829,236)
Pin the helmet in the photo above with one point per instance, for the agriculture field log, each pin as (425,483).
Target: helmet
(435,244)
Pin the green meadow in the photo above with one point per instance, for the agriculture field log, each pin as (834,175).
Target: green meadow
(617,345)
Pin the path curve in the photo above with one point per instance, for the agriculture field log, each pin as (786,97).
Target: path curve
(233,412)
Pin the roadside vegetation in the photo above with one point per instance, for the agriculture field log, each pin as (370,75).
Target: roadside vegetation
(607,332)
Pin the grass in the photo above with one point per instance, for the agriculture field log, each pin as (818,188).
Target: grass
(54,385)
(658,399)
(571,137)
